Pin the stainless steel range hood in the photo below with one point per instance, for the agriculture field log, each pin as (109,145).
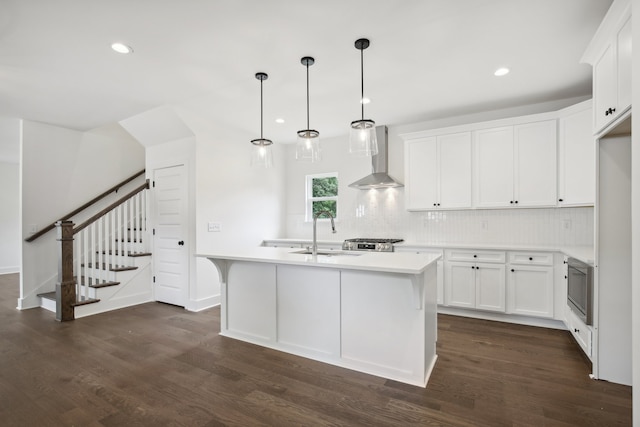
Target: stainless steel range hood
(379,177)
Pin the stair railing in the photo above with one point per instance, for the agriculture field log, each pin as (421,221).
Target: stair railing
(91,202)
(102,243)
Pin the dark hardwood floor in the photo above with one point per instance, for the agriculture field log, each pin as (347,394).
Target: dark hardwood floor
(159,365)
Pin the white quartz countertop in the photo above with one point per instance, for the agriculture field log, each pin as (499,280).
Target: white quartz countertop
(391,262)
(583,253)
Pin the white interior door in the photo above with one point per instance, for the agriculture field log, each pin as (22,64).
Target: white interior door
(170,248)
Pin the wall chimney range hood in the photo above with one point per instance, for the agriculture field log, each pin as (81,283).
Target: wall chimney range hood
(379,177)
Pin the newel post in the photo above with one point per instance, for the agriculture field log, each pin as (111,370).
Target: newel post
(66,286)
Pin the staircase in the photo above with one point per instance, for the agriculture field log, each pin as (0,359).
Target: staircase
(104,263)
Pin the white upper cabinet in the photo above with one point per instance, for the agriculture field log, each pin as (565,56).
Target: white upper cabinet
(438,172)
(576,158)
(493,155)
(515,166)
(610,55)
(535,164)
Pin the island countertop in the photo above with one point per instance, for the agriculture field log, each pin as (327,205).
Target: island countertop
(391,262)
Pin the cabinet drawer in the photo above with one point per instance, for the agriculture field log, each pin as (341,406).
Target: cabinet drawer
(475,256)
(531,258)
(581,332)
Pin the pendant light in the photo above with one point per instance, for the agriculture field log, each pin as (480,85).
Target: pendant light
(308,145)
(261,155)
(362,135)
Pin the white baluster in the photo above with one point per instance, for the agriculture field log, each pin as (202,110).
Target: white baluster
(77,253)
(87,258)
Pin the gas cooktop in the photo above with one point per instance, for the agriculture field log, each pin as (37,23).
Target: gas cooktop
(370,244)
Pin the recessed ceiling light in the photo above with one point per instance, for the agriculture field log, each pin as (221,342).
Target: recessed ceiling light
(501,72)
(121,48)
(279,121)
(365,101)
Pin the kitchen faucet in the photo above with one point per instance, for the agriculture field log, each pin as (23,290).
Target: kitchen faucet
(314,249)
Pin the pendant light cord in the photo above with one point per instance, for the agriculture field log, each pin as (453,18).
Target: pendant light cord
(362,81)
(261,109)
(308,95)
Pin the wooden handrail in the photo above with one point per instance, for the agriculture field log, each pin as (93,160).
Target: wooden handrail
(112,206)
(83,207)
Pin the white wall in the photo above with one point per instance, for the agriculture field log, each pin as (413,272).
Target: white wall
(246,201)
(10,195)
(635,217)
(9,218)
(61,170)
(381,213)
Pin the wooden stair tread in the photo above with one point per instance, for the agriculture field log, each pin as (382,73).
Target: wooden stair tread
(48,295)
(98,283)
(112,267)
(131,254)
(80,301)
(85,301)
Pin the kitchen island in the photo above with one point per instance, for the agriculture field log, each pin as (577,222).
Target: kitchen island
(370,312)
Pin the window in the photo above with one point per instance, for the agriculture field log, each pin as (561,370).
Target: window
(322,194)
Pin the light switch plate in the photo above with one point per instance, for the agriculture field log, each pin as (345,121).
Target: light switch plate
(215,227)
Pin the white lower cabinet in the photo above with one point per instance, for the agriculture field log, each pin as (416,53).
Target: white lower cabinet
(580,331)
(530,285)
(475,285)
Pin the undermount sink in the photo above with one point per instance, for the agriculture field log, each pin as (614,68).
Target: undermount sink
(326,253)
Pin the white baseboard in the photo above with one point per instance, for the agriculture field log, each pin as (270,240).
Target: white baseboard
(507,318)
(203,304)
(9,270)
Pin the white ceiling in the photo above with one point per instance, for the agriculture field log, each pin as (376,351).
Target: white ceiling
(428,59)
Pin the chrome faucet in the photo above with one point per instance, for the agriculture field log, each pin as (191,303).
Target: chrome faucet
(314,249)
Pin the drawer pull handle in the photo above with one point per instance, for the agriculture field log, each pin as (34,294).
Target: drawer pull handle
(512,270)
(576,330)
(530,258)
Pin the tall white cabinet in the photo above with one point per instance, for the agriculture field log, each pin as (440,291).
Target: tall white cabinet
(610,55)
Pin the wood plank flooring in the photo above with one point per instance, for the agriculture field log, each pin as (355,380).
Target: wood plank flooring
(159,365)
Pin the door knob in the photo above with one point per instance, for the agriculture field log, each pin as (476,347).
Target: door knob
(181,243)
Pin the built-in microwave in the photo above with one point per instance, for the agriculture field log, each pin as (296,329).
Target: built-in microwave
(580,289)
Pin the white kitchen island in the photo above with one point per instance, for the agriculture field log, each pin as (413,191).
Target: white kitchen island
(370,312)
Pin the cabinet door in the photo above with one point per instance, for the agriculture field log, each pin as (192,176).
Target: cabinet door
(604,88)
(624,60)
(490,287)
(535,164)
(455,170)
(421,180)
(493,163)
(576,160)
(530,291)
(459,283)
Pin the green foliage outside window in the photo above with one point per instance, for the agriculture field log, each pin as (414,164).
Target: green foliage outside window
(325,205)
(322,195)
(324,187)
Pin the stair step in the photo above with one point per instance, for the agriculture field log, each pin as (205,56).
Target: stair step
(98,283)
(48,295)
(85,301)
(112,267)
(131,254)
(80,301)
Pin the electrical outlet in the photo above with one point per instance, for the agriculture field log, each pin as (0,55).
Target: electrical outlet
(33,228)
(214,227)
(566,224)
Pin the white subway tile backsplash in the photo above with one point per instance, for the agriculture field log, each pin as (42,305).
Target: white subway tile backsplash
(379,213)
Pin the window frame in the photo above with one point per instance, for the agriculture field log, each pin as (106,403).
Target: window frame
(309,199)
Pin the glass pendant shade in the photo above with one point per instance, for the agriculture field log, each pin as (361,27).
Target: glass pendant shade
(261,155)
(308,146)
(362,138)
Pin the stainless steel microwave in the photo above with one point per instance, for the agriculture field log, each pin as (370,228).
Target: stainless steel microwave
(580,289)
